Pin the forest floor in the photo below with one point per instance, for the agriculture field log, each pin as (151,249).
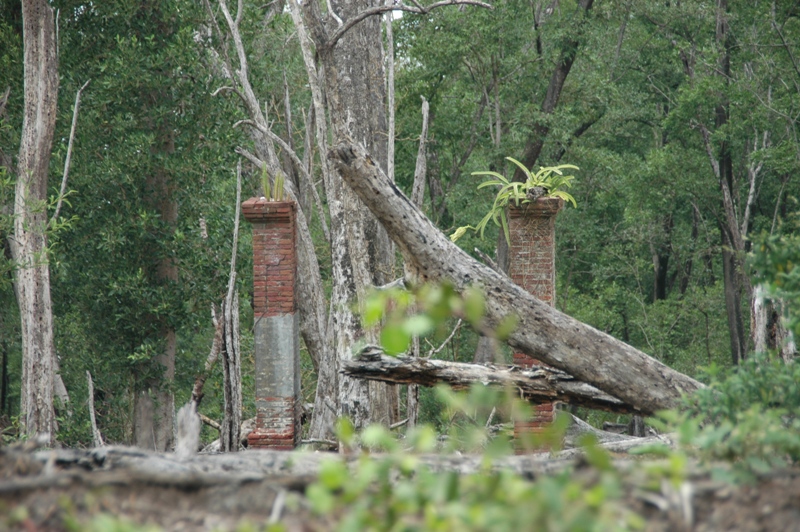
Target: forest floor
(71,489)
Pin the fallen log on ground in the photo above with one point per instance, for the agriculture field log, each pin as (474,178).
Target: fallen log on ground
(49,490)
(288,470)
(543,332)
(539,384)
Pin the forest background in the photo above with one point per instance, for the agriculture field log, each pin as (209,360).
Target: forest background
(684,129)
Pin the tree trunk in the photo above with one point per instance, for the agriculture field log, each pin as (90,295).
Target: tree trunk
(231,422)
(733,299)
(536,140)
(29,245)
(539,384)
(362,255)
(542,332)
(154,406)
(735,281)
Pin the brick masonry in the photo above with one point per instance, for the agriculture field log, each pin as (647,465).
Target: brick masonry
(532,265)
(275,324)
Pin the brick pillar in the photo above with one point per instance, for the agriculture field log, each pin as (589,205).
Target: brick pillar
(277,354)
(531,260)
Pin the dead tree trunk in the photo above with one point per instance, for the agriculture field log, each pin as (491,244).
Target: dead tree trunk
(543,332)
(232,369)
(29,245)
(362,255)
(539,384)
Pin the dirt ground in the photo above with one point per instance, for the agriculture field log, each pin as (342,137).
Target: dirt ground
(67,491)
(770,504)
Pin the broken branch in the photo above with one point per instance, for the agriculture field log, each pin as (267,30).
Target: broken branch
(539,384)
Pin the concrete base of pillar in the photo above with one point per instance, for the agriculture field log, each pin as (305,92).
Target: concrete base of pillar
(277,383)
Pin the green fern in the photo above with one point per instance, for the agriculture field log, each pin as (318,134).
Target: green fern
(550,178)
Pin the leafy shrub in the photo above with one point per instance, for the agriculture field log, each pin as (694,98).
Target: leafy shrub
(397,491)
(746,418)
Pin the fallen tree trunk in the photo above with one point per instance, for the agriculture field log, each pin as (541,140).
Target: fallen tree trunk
(540,384)
(543,332)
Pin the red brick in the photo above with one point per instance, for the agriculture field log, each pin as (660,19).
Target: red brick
(532,266)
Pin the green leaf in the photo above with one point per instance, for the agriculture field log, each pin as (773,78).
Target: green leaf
(321,500)
(521,166)
(373,309)
(395,339)
(500,177)
(506,232)
(379,437)
(474,305)
(418,325)
(460,232)
(595,455)
(333,474)
(507,326)
(345,431)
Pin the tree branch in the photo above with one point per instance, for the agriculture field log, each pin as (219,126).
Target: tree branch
(379,10)
(540,384)
(216,346)
(68,159)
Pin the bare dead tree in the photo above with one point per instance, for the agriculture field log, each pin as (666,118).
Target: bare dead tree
(232,370)
(417,196)
(29,244)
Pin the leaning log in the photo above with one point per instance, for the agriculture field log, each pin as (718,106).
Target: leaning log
(539,384)
(543,332)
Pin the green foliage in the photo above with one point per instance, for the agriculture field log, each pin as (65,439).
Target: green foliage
(424,310)
(757,381)
(550,180)
(744,423)
(270,193)
(6,225)
(395,490)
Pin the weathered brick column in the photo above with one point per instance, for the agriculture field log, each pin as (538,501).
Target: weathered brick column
(277,354)
(532,265)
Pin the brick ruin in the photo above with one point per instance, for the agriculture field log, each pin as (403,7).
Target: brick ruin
(532,265)
(277,351)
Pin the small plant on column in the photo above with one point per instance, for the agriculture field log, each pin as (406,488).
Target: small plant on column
(272,193)
(549,182)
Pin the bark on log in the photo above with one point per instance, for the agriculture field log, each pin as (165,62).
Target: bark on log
(540,384)
(127,464)
(543,332)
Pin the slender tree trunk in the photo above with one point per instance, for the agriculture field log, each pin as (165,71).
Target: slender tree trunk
(154,408)
(230,433)
(535,143)
(733,299)
(29,245)
(735,281)
(661,252)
